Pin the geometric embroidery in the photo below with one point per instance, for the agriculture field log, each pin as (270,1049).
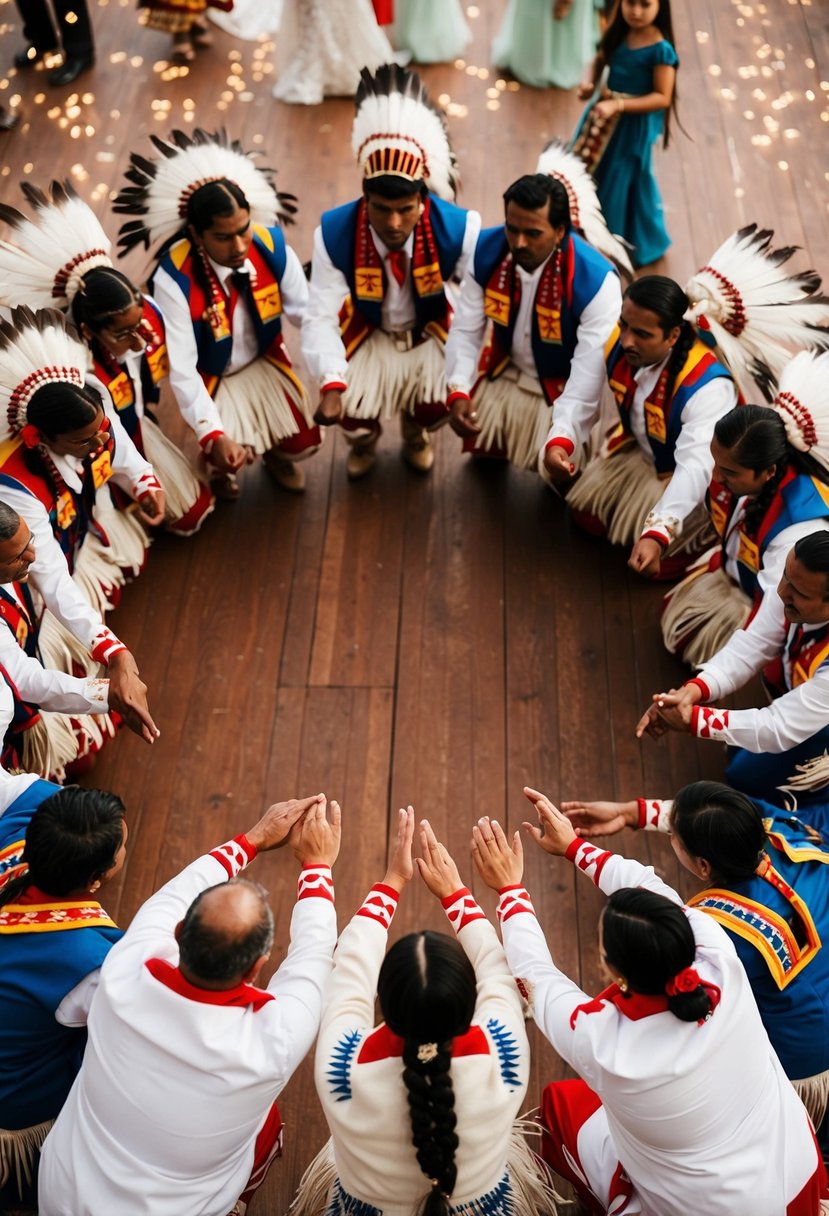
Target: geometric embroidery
(591,860)
(43,918)
(343,1204)
(315,882)
(711,723)
(769,933)
(380,904)
(513,901)
(462,909)
(497,1202)
(339,1069)
(507,1049)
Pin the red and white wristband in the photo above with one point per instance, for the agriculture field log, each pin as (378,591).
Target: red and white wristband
(380,904)
(462,908)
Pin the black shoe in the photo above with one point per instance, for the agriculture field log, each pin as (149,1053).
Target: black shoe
(29,57)
(71,69)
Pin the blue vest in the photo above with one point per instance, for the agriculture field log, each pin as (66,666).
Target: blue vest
(792,992)
(339,232)
(269,256)
(585,270)
(14,821)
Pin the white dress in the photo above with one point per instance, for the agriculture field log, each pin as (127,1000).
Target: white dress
(249,19)
(322,46)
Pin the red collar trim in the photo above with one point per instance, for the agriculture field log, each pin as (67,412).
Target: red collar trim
(241,995)
(381,1044)
(634,1005)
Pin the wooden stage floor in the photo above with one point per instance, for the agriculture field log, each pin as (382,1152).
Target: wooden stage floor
(440,640)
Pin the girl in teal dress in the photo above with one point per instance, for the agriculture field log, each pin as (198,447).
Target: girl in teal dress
(618,130)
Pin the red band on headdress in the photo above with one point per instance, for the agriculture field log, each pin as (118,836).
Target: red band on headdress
(736,322)
(789,404)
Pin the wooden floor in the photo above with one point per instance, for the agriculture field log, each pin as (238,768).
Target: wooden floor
(438,641)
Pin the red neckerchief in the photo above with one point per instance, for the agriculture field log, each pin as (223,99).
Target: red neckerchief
(382,1044)
(242,995)
(369,270)
(636,1005)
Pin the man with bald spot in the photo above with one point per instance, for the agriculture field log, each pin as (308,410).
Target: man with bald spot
(174,1111)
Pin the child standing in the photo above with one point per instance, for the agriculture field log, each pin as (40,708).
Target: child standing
(617,132)
(543,42)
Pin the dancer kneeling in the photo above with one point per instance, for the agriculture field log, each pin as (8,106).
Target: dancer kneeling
(683,1106)
(770,488)
(422,1107)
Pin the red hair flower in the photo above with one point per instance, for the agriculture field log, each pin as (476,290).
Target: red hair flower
(31,436)
(686,980)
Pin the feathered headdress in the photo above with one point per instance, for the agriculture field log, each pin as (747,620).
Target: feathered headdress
(585,210)
(398,130)
(163,187)
(802,401)
(754,310)
(36,348)
(44,262)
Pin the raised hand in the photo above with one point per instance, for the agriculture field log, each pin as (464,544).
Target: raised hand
(274,828)
(315,837)
(555,832)
(601,818)
(437,869)
(401,867)
(500,862)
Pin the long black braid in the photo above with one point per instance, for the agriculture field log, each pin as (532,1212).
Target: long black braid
(427,994)
(432,1110)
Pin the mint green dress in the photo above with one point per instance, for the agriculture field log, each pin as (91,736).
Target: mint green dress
(435,31)
(538,50)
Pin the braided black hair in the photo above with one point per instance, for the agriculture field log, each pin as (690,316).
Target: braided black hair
(427,994)
(104,293)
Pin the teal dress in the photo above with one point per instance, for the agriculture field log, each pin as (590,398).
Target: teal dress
(625,180)
(435,31)
(541,51)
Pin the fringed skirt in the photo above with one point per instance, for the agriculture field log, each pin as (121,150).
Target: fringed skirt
(19,1152)
(814,1094)
(514,417)
(622,490)
(60,739)
(702,612)
(386,377)
(258,406)
(188,500)
(177,16)
(525,1189)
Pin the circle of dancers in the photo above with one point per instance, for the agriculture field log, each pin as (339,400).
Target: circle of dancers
(140,1071)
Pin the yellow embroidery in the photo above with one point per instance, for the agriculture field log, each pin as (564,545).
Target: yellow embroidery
(368,283)
(496,306)
(549,324)
(748,553)
(65,511)
(120,390)
(158,362)
(101,469)
(655,422)
(428,280)
(268,301)
(719,516)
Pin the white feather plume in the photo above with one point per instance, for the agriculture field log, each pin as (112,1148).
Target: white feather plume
(38,347)
(44,258)
(585,209)
(802,400)
(162,186)
(394,111)
(756,312)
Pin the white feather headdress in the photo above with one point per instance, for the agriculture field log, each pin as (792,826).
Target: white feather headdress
(802,401)
(755,311)
(36,348)
(43,263)
(162,187)
(398,130)
(585,210)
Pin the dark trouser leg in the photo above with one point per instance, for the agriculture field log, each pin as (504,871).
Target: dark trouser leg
(38,27)
(76,36)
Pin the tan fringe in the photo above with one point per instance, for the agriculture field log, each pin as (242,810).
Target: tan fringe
(813,775)
(707,607)
(172,468)
(127,536)
(49,746)
(383,379)
(96,576)
(314,1192)
(253,404)
(533,1192)
(18,1152)
(814,1094)
(60,650)
(513,414)
(620,489)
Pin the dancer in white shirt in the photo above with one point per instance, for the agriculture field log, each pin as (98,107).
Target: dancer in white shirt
(683,1106)
(174,1110)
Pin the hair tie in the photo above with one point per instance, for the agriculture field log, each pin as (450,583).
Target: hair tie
(427,1052)
(31,436)
(686,980)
